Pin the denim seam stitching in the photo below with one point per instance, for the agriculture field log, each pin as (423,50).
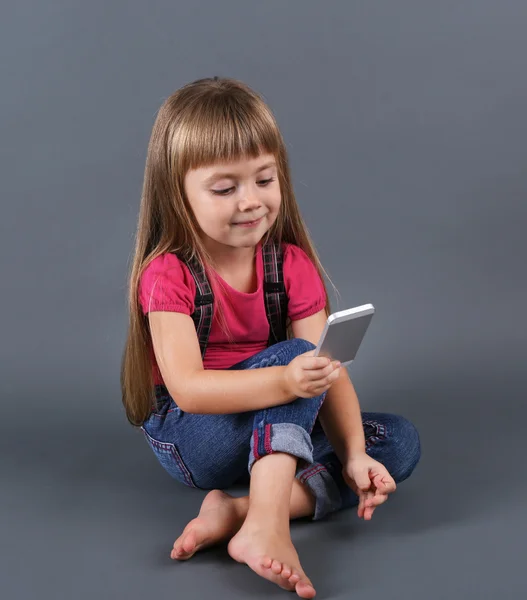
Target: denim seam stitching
(311,473)
(380,433)
(155,414)
(169,447)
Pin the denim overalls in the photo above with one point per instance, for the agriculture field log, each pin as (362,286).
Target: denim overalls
(211,451)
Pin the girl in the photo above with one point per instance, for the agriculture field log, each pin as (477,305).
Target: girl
(226,302)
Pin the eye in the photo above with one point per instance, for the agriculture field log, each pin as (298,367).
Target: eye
(266,181)
(224,192)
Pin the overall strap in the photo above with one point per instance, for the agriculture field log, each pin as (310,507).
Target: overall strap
(203,303)
(274,291)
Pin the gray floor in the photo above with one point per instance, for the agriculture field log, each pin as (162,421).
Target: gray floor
(88,513)
(405,123)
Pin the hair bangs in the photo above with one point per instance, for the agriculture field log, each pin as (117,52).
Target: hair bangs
(226,131)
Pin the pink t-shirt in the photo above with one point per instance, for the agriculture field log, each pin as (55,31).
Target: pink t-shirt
(167,285)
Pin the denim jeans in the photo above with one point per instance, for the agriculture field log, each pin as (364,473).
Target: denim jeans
(217,450)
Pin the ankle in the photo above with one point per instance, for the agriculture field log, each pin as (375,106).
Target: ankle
(263,517)
(241,506)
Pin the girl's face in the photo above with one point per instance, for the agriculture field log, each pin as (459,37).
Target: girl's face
(235,203)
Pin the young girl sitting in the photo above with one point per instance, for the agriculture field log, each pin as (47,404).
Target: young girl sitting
(227,301)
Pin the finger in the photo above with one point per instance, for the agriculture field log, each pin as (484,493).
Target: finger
(384,483)
(320,389)
(363,503)
(321,374)
(318,374)
(335,375)
(329,380)
(368,513)
(316,362)
(360,509)
(325,383)
(388,488)
(362,480)
(372,504)
(377,500)
(369,506)
(311,363)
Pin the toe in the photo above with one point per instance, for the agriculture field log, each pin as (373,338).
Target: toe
(180,554)
(189,543)
(176,550)
(286,572)
(295,576)
(305,589)
(266,562)
(276,567)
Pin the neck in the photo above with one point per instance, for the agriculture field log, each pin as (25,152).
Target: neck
(228,257)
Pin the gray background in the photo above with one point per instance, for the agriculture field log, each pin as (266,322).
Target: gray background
(406,124)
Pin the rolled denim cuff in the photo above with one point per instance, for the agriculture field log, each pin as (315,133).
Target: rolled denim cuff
(280,437)
(322,486)
(294,440)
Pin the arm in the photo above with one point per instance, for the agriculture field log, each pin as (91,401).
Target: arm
(207,391)
(340,414)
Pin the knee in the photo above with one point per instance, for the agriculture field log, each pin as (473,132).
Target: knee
(302,345)
(292,348)
(406,445)
(299,346)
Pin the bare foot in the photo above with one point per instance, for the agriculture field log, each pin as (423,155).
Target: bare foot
(272,556)
(218,520)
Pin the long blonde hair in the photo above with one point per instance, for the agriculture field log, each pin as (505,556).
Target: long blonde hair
(204,122)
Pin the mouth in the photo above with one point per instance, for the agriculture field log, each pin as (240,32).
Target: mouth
(249,223)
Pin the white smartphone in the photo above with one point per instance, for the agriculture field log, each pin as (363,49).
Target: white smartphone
(344,332)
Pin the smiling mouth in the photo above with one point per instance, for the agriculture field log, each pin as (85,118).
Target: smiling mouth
(248,223)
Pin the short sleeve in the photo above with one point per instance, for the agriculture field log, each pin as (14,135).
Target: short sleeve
(167,285)
(304,287)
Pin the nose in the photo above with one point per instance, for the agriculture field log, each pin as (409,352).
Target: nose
(249,201)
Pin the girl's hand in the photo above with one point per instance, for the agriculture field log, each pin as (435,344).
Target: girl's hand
(307,376)
(370,480)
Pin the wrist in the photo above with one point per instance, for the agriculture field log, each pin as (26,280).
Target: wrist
(355,451)
(284,384)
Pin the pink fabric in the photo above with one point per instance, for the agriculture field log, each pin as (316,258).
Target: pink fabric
(167,285)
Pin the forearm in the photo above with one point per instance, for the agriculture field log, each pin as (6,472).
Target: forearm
(341,419)
(233,391)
